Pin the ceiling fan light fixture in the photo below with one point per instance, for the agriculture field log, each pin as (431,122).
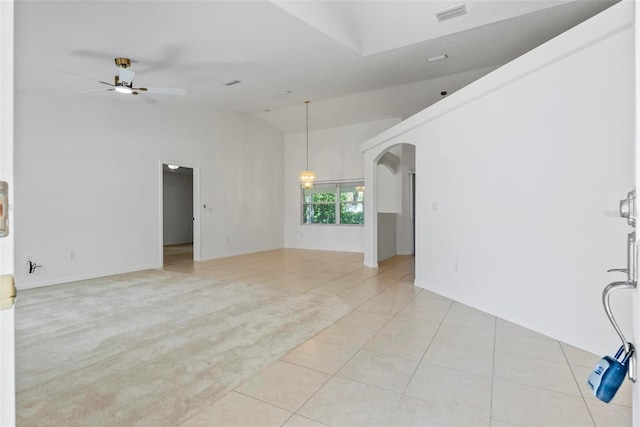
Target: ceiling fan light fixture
(123,83)
(122,62)
(123,89)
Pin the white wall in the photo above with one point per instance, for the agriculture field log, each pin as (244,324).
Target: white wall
(334,154)
(404,221)
(527,166)
(390,185)
(387,235)
(87,181)
(177,222)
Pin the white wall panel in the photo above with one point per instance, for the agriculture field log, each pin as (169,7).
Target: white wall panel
(526,166)
(87,182)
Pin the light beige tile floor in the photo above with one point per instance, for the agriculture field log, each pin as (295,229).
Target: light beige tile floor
(403,357)
(173,254)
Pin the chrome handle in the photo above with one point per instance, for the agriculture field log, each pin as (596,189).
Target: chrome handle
(632,259)
(606,293)
(631,269)
(631,373)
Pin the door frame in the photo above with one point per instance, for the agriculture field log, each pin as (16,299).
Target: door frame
(7,316)
(196,209)
(635,312)
(371,157)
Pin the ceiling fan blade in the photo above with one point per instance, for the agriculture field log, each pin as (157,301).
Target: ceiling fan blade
(147,99)
(83,76)
(76,74)
(96,90)
(102,56)
(164,90)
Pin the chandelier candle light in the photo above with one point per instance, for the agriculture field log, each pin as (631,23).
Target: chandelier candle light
(307,177)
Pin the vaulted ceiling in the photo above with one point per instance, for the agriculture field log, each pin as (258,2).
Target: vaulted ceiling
(355,60)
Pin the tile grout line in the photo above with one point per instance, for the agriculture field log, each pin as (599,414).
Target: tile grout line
(428,346)
(280,359)
(584,400)
(421,358)
(395,406)
(359,349)
(295,412)
(493,368)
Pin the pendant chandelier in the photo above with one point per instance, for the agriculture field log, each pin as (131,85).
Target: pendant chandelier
(307,177)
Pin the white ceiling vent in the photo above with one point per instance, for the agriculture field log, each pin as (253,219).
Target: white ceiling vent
(452,12)
(437,58)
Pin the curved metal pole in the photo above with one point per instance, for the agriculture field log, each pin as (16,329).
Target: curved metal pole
(606,293)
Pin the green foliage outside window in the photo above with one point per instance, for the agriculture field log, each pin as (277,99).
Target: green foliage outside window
(352,205)
(321,204)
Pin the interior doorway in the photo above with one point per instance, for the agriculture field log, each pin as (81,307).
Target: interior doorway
(179,225)
(412,209)
(395,202)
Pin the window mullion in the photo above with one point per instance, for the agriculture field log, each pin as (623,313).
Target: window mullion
(337,206)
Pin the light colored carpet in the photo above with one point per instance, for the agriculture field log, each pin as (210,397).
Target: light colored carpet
(151,348)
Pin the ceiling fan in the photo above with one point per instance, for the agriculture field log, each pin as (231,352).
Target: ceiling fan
(123,82)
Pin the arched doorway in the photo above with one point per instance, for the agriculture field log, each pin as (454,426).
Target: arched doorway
(390,202)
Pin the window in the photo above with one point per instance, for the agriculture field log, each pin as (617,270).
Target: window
(333,203)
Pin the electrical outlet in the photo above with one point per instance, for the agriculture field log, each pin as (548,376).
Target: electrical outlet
(456,266)
(72,255)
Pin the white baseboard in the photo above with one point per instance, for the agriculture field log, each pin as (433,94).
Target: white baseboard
(63,280)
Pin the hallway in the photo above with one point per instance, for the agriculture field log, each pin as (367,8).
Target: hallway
(177,253)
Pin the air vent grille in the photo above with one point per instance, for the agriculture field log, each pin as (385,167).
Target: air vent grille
(452,12)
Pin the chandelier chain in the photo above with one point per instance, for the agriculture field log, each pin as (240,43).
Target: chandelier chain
(307,103)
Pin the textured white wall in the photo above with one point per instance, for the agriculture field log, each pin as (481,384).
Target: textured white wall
(405,218)
(334,154)
(390,185)
(387,235)
(177,201)
(87,182)
(527,166)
